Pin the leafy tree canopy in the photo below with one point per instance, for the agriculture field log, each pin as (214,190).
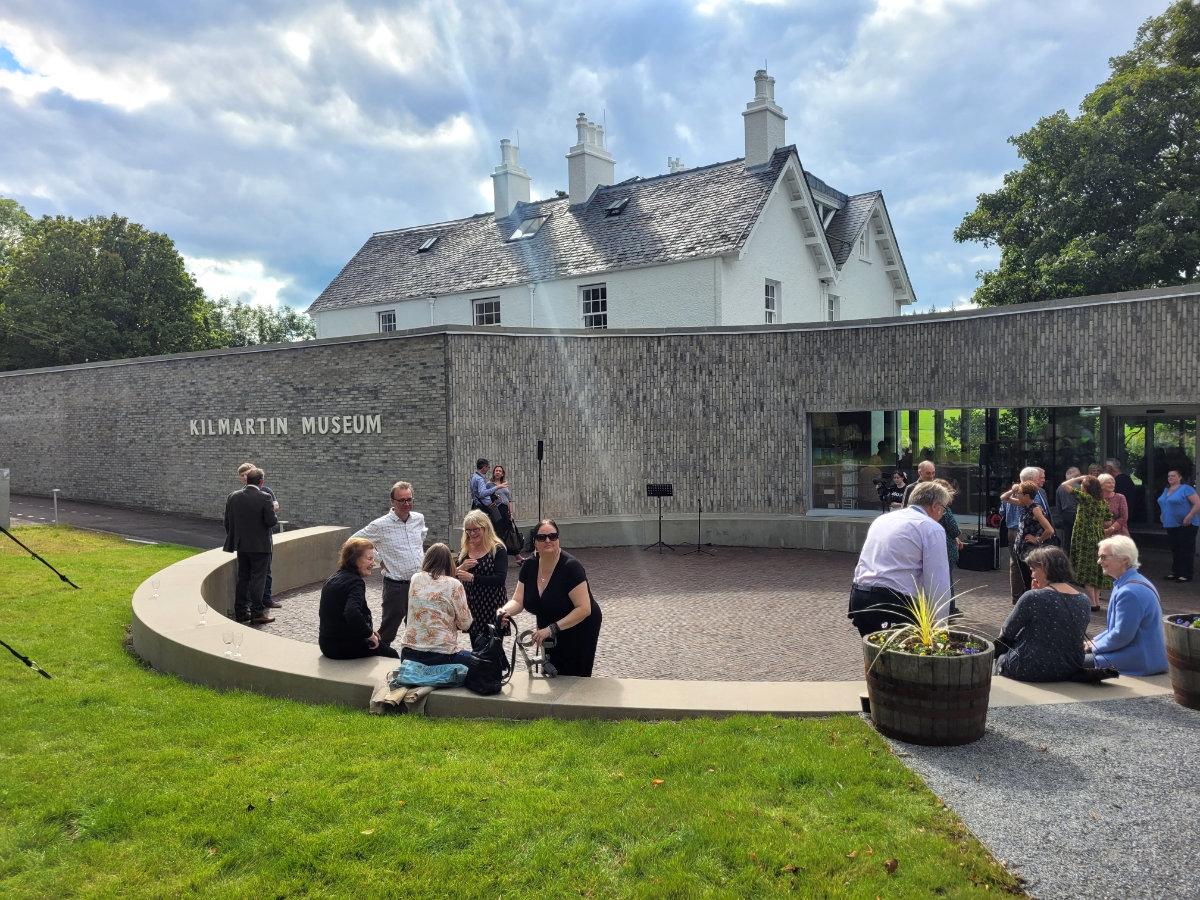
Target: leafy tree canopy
(74,291)
(1109,200)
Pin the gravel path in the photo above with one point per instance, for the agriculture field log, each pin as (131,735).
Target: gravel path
(1087,800)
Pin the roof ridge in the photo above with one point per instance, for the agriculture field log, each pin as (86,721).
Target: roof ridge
(644,179)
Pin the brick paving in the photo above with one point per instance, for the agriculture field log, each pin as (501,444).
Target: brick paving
(742,615)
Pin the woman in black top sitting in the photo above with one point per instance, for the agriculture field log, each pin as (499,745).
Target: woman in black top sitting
(1042,638)
(346,631)
(553,586)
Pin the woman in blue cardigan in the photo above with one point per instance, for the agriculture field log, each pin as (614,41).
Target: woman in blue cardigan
(1132,642)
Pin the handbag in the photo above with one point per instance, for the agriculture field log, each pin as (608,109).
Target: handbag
(489,669)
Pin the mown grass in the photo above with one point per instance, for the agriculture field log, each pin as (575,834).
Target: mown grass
(117,780)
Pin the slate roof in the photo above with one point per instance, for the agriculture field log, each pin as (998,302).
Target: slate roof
(702,212)
(847,222)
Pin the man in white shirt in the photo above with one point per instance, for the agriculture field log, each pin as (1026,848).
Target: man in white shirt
(399,539)
(904,550)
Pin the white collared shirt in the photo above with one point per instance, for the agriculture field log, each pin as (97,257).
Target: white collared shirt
(905,550)
(399,545)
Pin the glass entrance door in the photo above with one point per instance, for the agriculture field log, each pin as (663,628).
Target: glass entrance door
(1149,447)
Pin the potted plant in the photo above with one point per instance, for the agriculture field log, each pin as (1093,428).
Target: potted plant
(1183,656)
(928,682)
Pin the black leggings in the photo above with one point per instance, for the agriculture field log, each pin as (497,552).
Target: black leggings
(1183,550)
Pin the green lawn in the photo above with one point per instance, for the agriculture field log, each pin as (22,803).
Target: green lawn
(117,780)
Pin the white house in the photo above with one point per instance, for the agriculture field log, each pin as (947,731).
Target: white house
(751,241)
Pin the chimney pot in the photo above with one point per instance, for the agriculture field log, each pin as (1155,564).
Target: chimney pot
(510,182)
(589,164)
(764,121)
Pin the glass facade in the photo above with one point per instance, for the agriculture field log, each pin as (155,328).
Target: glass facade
(981,452)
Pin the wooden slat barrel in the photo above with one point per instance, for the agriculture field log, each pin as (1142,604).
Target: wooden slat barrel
(929,699)
(1183,655)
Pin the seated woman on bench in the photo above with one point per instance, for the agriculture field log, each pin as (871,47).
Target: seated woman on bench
(1132,641)
(1042,638)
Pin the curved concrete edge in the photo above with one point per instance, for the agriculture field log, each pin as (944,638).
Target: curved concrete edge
(168,636)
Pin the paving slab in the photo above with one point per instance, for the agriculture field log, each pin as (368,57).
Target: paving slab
(744,614)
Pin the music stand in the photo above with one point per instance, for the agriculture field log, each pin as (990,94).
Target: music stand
(699,507)
(660,491)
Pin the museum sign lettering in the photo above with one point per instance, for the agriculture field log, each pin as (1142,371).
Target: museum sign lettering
(277,425)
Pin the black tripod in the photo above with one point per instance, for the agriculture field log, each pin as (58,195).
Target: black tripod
(699,509)
(13,650)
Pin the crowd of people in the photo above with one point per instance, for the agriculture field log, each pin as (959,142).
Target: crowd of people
(1059,563)
(1058,566)
(435,594)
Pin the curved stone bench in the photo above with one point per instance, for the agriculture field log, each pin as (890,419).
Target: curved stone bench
(166,634)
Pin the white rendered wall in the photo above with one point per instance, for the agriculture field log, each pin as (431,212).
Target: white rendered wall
(675,295)
(775,251)
(865,289)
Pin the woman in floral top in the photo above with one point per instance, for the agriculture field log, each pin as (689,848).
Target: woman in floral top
(1092,516)
(437,612)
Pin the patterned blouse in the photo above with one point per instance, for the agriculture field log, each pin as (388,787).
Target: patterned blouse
(437,612)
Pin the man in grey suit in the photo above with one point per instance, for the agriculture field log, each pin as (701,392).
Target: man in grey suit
(249,518)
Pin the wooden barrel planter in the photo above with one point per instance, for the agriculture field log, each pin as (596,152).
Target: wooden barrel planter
(1183,655)
(936,700)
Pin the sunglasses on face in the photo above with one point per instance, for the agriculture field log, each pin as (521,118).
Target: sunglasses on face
(552,536)
(402,499)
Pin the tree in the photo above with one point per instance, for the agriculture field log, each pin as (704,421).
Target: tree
(1109,200)
(74,291)
(14,222)
(244,324)
(100,288)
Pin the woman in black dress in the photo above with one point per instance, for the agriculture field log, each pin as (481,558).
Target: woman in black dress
(482,567)
(345,629)
(553,586)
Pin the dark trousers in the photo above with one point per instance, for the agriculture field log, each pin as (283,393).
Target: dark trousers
(875,608)
(1183,550)
(1017,572)
(1064,530)
(395,610)
(356,651)
(251,581)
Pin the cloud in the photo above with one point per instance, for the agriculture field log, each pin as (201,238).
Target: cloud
(243,280)
(282,135)
(125,83)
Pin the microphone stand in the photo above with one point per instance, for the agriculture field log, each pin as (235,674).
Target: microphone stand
(699,507)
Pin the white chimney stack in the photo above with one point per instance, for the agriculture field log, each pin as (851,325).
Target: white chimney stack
(589,164)
(510,183)
(675,164)
(764,121)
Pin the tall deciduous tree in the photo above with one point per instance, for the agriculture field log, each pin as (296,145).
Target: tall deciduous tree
(74,291)
(244,324)
(1108,200)
(94,289)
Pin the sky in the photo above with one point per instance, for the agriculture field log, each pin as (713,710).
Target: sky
(270,139)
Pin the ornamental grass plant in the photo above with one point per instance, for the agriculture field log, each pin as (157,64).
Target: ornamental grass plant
(929,631)
(119,781)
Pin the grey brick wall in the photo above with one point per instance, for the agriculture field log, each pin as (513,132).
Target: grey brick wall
(120,433)
(720,412)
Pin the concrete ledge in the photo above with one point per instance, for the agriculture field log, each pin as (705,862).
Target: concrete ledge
(792,532)
(167,635)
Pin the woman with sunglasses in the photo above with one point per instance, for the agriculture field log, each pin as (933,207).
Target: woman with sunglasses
(553,586)
(482,567)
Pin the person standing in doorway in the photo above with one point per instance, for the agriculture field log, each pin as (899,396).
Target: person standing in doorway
(399,540)
(1180,508)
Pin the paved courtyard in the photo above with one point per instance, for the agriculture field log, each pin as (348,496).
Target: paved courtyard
(740,615)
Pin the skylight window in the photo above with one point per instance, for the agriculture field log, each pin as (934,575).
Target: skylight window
(528,228)
(617,207)
(427,244)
